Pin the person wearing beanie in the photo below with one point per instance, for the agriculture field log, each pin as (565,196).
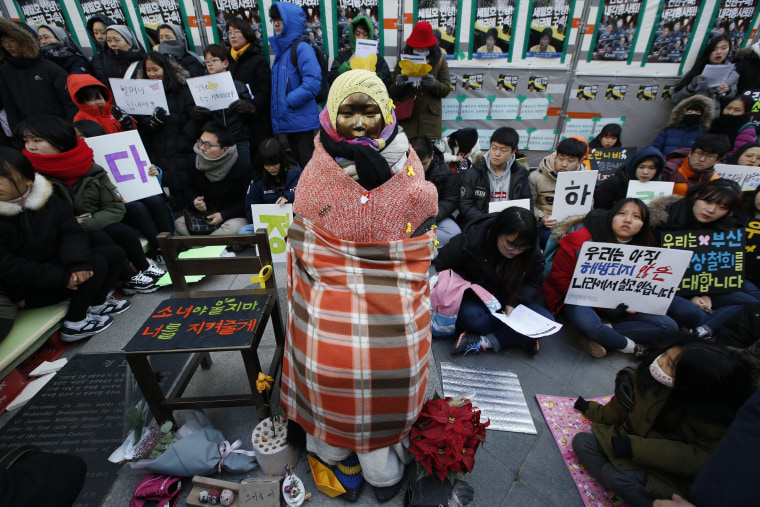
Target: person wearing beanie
(425,119)
(58,47)
(359,307)
(173,43)
(689,119)
(121,52)
(361,27)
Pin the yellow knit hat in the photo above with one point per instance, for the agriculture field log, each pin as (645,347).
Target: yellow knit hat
(358,81)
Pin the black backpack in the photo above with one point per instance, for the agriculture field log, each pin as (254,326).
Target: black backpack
(322,57)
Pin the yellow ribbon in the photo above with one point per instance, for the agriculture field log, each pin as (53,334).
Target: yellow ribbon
(264,275)
(410,171)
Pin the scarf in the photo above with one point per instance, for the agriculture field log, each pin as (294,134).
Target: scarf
(235,53)
(67,166)
(173,48)
(216,169)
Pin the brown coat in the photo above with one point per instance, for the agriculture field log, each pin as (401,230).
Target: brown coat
(426,118)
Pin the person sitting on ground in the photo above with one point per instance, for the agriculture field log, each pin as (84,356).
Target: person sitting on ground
(645,165)
(217,183)
(58,47)
(689,119)
(45,256)
(500,253)
(668,414)
(747,155)
(361,27)
(119,57)
(95,102)
(736,123)
(609,137)
(690,166)
(173,43)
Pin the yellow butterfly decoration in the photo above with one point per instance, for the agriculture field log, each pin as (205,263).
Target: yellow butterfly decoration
(212,85)
(369,63)
(412,69)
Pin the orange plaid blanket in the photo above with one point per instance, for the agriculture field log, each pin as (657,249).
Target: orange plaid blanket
(358,345)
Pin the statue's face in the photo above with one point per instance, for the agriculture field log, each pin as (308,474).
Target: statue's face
(359,116)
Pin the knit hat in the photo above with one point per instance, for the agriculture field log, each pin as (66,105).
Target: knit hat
(422,36)
(358,81)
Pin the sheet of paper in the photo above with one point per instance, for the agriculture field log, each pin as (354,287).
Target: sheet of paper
(747,177)
(139,96)
(573,194)
(716,74)
(529,323)
(366,47)
(649,190)
(214,92)
(195,253)
(496,206)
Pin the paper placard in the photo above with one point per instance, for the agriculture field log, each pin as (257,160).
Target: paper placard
(475,109)
(365,47)
(644,278)
(716,74)
(505,109)
(139,96)
(534,109)
(648,190)
(574,194)
(277,220)
(450,109)
(542,140)
(608,160)
(752,249)
(582,128)
(124,158)
(528,323)
(747,177)
(496,206)
(214,91)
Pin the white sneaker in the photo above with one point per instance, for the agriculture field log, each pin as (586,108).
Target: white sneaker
(93,324)
(154,271)
(140,283)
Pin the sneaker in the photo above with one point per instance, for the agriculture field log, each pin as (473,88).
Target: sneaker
(112,306)
(140,284)
(468,342)
(154,271)
(93,325)
(639,351)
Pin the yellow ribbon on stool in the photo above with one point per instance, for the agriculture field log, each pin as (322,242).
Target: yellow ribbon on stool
(264,275)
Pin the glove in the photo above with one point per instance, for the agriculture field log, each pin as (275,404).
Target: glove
(158,117)
(243,107)
(462,494)
(581,405)
(122,117)
(624,389)
(622,448)
(695,82)
(199,113)
(614,314)
(401,79)
(428,81)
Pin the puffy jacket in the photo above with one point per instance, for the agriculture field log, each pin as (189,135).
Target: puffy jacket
(294,90)
(677,170)
(677,134)
(252,69)
(342,61)
(615,187)
(100,114)
(262,192)
(543,182)
(65,53)
(95,194)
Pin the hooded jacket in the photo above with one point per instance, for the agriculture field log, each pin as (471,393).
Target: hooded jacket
(342,62)
(90,22)
(115,64)
(446,183)
(179,51)
(65,53)
(615,187)
(42,242)
(294,90)
(100,114)
(542,182)
(677,170)
(261,191)
(677,134)
(29,84)
(252,70)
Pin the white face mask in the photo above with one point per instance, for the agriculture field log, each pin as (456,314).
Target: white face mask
(659,375)
(421,52)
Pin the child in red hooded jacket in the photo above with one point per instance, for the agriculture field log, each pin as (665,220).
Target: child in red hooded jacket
(95,102)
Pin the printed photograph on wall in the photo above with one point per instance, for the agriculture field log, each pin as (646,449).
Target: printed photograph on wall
(586,92)
(538,83)
(111,8)
(442,16)
(314,29)
(548,28)
(647,92)
(734,19)
(37,13)
(472,82)
(506,83)
(492,32)
(346,12)
(672,33)
(616,91)
(155,13)
(225,10)
(616,30)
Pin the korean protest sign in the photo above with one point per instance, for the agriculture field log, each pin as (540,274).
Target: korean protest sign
(752,249)
(755,113)
(111,8)
(442,15)
(124,158)
(616,30)
(574,194)
(139,96)
(608,160)
(734,18)
(747,177)
(644,278)
(277,220)
(492,33)
(154,13)
(43,12)
(672,33)
(718,262)
(549,27)
(649,190)
(214,92)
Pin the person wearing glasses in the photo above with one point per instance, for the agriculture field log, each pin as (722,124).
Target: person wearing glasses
(690,166)
(218,182)
(500,253)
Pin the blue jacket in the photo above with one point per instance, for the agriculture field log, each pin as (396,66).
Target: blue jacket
(262,192)
(294,108)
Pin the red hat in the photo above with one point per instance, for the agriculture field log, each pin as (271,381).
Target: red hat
(422,36)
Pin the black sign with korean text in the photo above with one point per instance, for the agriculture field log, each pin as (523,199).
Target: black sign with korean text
(608,160)
(752,250)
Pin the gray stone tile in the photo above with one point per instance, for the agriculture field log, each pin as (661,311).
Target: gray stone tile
(524,496)
(545,471)
(509,448)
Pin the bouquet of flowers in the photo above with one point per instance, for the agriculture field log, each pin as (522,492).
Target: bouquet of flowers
(445,437)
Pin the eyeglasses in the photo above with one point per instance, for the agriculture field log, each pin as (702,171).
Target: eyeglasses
(212,61)
(205,145)
(704,155)
(234,32)
(511,247)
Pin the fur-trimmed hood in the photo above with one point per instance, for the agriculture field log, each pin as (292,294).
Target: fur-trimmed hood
(658,209)
(22,35)
(178,69)
(566,226)
(41,191)
(676,115)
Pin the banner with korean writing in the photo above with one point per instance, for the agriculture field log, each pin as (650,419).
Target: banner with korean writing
(155,13)
(111,8)
(492,30)
(718,262)
(755,113)
(139,96)
(443,15)
(277,220)
(752,250)
(643,278)
(347,10)
(549,27)
(608,160)
(616,30)
(124,158)
(43,12)
(316,29)
(214,92)
(649,190)
(573,194)
(247,10)
(672,33)
(746,176)
(734,18)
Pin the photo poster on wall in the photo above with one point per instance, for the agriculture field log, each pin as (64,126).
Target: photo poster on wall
(444,17)
(247,10)
(111,8)
(734,18)
(36,13)
(672,34)
(316,28)
(344,11)
(616,30)
(549,28)
(154,14)
(492,29)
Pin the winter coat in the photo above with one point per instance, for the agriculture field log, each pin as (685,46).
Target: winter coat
(732,80)
(29,84)
(99,114)
(93,193)
(90,22)
(226,196)
(678,135)
(748,66)
(674,213)
(110,64)
(446,183)
(179,51)
(342,61)
(252,69)
(615,188)
(261,191)
(571,233)
(237,123)
(466,255)
(475,189)
(672,459)
(42,243)
(677,170)
(426,119)
(65,53)
(294,89)
(542,182)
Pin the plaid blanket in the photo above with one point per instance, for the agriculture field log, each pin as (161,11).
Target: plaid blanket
(358,345)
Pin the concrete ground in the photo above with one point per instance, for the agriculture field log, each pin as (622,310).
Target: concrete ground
(511,469)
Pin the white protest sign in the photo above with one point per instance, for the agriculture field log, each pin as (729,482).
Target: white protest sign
(747,177)
(648,190)
(573,194)
(644,278)
(528,323)
(124,158)
(139,96)
(365,47)
(277,220)
(214,92)
(495,206)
